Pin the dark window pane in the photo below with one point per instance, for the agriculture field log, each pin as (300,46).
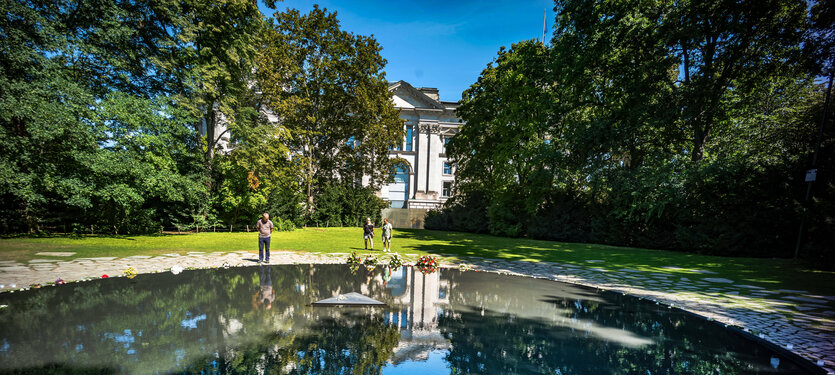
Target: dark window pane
(408,137)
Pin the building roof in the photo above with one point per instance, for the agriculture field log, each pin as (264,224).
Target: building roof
(420,94)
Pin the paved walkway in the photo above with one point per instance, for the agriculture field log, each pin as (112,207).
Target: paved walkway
(794,319)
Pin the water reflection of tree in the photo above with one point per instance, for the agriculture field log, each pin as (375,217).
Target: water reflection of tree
(489,342)
(349,344)
(160,322)
(205,320)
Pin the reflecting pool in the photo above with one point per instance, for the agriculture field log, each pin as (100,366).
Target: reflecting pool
(259,320)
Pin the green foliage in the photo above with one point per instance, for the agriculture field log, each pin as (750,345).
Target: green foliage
(682,125)
(328,88)
(88,136)
(464,212)
(283,225)
(111,114)
(820,38)
(345,205)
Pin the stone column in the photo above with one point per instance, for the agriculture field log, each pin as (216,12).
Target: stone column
(422,159)
(432,130)
(413,177)
(428,156)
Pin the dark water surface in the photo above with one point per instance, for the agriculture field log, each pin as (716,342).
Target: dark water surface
(259,320)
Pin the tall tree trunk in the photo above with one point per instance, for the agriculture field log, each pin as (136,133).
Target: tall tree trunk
(31,223)
(309,177)
(698,144)
(211,117)
(210,131)
(686,63)
(700,135)
(309,185)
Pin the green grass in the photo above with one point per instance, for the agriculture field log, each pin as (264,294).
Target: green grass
(770,273)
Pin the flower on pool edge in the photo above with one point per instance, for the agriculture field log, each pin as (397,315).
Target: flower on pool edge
(427,264)
(354,258)
(104,276)
(130,272)
(60,281)
(370,262)
(176,269)
(395,262)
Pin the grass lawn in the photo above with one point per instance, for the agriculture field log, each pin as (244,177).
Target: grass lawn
(770,273)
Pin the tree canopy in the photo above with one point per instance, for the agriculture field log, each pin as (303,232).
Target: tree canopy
(327,87)
(112,114)
(680,125)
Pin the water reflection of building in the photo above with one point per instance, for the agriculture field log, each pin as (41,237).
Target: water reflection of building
(419,295)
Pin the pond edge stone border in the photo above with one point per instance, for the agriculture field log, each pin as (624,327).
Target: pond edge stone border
(796,336)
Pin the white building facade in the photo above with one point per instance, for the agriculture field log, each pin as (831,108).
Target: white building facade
(426,179)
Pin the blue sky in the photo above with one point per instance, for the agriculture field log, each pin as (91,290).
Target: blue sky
(443,44)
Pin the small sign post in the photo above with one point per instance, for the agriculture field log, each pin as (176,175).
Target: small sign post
(811,175)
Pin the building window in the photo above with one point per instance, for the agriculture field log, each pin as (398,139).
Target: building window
(447,189)
(408,137)
(446,142)
(447,168)
(399,189)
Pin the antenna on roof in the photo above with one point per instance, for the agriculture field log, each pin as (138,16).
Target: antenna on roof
(544,27)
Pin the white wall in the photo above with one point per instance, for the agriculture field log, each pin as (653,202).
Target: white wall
(431,122)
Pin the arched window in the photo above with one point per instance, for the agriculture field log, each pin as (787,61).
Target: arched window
(399,189)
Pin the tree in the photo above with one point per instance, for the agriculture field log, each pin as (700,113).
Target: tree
(819,43)
(616,106)
(88,135)
(327,88)
(677,125)
(212,59)
(506,148)
(101,102)
(726,48)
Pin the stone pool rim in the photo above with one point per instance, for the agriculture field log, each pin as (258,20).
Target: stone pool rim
(797,358)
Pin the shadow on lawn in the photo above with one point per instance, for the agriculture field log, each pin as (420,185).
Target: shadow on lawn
(72,236)
(769,273)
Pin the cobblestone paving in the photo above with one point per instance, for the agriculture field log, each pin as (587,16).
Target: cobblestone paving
(797,320)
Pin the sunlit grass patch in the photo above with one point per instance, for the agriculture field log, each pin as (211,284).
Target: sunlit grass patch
(451,246)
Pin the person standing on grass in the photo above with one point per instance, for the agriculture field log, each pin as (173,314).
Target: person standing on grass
(265,230)
(386,235)
(368,234)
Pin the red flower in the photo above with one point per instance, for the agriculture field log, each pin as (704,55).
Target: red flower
(104,276)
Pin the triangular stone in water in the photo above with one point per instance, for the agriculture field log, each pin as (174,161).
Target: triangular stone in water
(349,299)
